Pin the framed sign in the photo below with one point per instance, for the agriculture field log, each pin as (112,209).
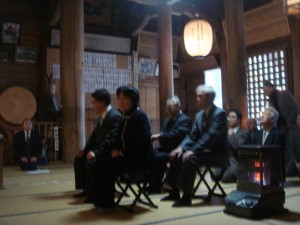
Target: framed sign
(147,66)
(10,32)
(26,54)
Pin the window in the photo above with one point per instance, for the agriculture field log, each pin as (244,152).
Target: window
(270,66)
(213,79)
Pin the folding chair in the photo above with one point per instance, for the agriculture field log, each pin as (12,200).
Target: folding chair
(207,166)
(129,180)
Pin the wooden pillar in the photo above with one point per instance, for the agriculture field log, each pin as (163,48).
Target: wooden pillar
(72,92)
(165,58)
(295,33)
(236,57)
(1,164)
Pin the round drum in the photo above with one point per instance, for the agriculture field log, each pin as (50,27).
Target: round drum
(17,104)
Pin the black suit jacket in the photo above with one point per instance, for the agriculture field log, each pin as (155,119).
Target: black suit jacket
(173,132)
(103,138)
(209,135)
(134,140)
(20,147)
(275,137)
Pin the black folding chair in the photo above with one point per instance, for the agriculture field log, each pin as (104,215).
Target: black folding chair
(209,163)
(127,182)
(211,188)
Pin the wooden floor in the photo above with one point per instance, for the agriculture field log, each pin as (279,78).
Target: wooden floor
(46,199)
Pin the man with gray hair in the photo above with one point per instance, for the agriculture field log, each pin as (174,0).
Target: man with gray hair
(269,134)
(175,127)
(207,142)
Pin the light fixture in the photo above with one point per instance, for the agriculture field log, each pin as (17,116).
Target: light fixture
(292,7)
(198,38)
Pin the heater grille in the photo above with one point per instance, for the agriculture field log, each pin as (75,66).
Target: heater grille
(260,169)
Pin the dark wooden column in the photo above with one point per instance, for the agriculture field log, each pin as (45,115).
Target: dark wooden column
(1,164)
(236,56)
(72,92)
(295,33)
(165,57)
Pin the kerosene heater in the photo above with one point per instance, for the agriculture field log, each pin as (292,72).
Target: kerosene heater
(260,181)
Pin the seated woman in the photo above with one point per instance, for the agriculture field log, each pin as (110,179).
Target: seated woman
(133,150)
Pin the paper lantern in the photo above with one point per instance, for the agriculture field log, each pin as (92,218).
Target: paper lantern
(198,38)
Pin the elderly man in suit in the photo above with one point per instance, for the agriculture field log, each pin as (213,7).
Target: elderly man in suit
(237,136)
(207,141)
(269,134)
(175,127)
(99,145)
(27,146)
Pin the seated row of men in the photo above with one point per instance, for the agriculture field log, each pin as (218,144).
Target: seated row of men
(123,143)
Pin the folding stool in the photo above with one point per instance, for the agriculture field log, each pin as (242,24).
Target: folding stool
(129,180)
(211,189)
(212,160)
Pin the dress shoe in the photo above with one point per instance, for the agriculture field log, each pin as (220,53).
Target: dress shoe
(171,197)
(182,202)
(152,190)
(80,195)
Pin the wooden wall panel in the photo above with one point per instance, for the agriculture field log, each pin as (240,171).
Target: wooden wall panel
(149,101)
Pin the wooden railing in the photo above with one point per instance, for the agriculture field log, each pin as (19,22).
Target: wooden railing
(51,134)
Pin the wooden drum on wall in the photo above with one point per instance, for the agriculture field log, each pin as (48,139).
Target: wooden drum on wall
(17,104)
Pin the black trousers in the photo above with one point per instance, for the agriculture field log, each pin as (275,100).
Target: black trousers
(85,175)
(158,168)
(107,171)
(182,175)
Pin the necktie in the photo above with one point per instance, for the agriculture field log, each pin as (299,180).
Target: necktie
(231,138)
(264,137)
(27,138)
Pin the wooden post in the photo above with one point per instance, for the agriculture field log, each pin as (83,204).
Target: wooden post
(295,34)
(165,58)
(72,89)
(1,164)
(236,56)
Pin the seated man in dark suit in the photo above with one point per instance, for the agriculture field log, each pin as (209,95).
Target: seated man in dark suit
(27,146)
(237,136)
(99,145)
(175,127)
(206,141)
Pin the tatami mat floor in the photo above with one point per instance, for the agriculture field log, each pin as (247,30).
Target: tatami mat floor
(46,199)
